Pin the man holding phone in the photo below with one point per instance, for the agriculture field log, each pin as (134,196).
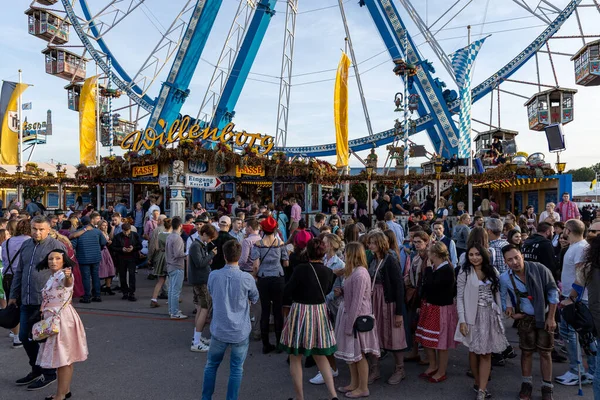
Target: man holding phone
(200,256)
(126,245)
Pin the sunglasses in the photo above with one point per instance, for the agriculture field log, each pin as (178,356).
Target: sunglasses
(594,230)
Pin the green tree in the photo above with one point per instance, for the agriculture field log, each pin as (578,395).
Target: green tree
(585,174)
(359,192)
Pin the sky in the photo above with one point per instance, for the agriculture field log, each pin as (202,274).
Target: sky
(319,40)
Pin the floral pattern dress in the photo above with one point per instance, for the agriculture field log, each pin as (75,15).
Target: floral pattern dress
(69,345)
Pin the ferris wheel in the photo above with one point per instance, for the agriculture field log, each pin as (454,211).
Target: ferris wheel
(149,68)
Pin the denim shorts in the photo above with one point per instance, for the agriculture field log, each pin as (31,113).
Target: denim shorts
(532,338)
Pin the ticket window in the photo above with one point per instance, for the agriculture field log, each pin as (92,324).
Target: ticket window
(287,190)
(213,197)
(114,192)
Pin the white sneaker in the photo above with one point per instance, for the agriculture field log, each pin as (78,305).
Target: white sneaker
(199,348)
(204,340)
(179,315)
(568,379)
(318,379)
(11,335)
(587,379)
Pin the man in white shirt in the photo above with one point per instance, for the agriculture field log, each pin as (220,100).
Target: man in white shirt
(574,258)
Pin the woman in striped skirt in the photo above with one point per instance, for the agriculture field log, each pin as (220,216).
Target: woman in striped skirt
(307,330)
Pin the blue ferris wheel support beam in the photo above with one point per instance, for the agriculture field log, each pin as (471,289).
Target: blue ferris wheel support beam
(443,133)
(265,10)
(175,89)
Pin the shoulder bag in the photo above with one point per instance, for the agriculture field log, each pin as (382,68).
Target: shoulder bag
(366,323)
(329,315)
(50,326)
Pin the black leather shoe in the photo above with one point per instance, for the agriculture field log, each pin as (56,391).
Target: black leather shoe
(131,297)
(96,299)
(125,296)
(85,300)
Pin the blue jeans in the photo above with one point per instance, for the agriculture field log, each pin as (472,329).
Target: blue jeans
(236,367)
(570,336)
(175,284)
(32,347)
(90,272)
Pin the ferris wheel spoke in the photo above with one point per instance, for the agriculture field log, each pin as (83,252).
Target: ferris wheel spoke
(112,11)
(435,46)
(164,49)
(533,12)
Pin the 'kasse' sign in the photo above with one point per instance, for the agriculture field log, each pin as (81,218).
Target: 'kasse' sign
(187,129)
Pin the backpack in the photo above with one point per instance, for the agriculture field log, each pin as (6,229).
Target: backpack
(578,316)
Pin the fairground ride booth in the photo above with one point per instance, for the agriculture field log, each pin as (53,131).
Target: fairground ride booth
(209,176)
(514,195)
(54,185)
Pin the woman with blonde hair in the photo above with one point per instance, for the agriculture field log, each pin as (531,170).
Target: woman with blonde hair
(485,208)
(549,215)
(438,318)
(388,305)
(354,345)
(74,223)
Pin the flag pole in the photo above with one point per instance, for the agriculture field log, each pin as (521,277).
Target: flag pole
(19,114)
(470,163)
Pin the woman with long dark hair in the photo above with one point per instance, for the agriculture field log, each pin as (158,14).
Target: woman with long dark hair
(480,326)
(351,233)
(69,345)
(514,237)
(307,329)
(388,305)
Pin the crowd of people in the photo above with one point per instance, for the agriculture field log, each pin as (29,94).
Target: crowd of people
(338,288)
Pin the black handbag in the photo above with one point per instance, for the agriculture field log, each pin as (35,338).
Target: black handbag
(366,323)
(363,323)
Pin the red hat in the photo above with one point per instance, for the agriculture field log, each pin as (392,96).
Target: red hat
(268,225)
(302,238)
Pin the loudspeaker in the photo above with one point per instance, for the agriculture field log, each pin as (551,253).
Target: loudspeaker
(555,137)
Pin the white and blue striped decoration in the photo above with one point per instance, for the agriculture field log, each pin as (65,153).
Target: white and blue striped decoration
(462,63)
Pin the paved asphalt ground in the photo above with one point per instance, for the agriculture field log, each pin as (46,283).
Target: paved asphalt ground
(138,353)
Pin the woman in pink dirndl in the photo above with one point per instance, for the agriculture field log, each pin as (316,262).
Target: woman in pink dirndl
(69,345)
(438,318)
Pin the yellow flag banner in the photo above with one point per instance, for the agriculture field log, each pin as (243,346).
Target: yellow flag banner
(87,122)
(594,182)
(340,111)
(9,141)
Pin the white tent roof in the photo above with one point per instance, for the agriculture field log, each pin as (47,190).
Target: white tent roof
(582,189)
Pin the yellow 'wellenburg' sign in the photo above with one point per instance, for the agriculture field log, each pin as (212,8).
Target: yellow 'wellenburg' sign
(182,129)
(248,170)
(144,170)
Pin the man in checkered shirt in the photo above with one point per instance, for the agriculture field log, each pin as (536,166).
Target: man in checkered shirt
(494,229)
